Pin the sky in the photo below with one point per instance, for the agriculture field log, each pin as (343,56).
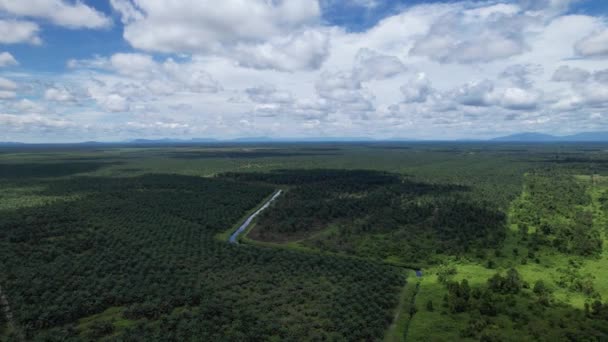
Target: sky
(113,70)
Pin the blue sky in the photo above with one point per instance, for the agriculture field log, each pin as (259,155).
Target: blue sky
(120,69)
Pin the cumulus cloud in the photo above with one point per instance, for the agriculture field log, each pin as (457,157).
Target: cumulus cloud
(417,89)
(7,84)
(18,31)
(522,75)
(57,94)
(59,12)
(191,76)
(371,65)
(272,67)
(7,94)
(146,74)
(114,103)
(305,50)
(6,59)
(595,95)
(27,106)
(480,34)
(31,123)
(196,26)
(486,94)
(476,94)
(344,92)
(601,76)
(569,74)
(594,45)
(268,94)
(162,125)
(519,99)
(133,64)
(7,88)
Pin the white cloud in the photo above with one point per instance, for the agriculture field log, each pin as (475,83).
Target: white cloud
(282,35)
(457,68)
(59,12)
(519,99)
(7,84)
(59,95)
(192,76)
(601,76)
(522,75)
(203,25)
(479,34)
(115,103)
(344,93)
(158,125)
(370,65)
(133,64)
(417,89)
(6,59)
(566,73)
(7,89)
(268,94)
(145,74)
(31,123)
(18,31)
(305,50)
(486,94)
(595,95)
(107,98)
(477,93)
(7,94)
(28,106)
(594,45)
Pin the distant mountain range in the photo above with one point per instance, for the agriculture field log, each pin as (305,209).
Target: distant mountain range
(540,137)
(530,137)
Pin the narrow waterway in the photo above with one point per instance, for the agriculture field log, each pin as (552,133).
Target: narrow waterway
(243,227)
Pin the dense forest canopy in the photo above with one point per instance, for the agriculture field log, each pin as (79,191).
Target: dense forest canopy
(365,204)
(130,244)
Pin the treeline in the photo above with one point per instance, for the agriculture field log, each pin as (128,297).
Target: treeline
(145,246)
(376,214)
(552,212)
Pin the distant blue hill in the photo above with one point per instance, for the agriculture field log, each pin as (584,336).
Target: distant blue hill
(540,137)
(170,141)
(528,136)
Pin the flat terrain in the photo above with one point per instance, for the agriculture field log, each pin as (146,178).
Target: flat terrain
(129,244)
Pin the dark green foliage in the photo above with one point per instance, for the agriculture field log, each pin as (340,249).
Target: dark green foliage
(420,219)
(510,283)
(458,296)
(100,329)
(144,247)
(44,170)
(147,244)
(445,272)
